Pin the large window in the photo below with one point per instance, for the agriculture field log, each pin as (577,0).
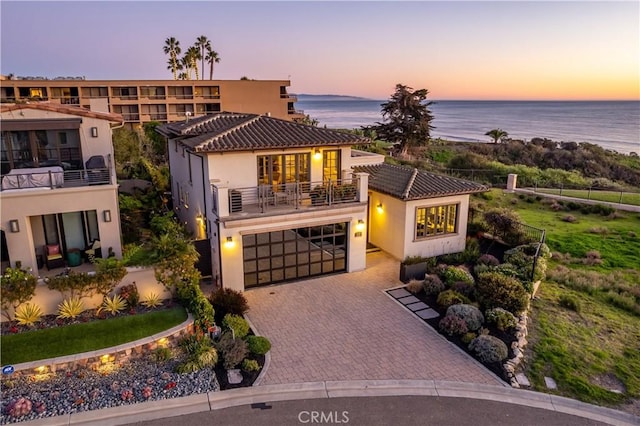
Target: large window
(436,220)
(331,165)
(285,168)
(40,148)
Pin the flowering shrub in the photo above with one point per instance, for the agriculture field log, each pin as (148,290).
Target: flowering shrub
(20,407)
(502,319)
(130,294)
(471,315)
(488,349)
(432,285)
(146,392)
(453,325)
(126,395)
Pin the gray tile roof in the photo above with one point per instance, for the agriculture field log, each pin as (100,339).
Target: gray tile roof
(412,184)
(229,131)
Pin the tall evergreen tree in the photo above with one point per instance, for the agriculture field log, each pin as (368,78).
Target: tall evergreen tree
(406,119)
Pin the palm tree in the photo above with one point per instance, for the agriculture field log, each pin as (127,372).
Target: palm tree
(172,48)
(497,135)
(174,68)
(203,44)
(191,57)
(212,56)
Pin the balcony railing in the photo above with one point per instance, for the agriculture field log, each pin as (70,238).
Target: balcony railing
(292,196)
(295,111)
(54,177)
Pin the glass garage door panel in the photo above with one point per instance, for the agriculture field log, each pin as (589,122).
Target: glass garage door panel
(292,254)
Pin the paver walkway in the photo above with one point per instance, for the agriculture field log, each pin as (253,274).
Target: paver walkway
(344,327)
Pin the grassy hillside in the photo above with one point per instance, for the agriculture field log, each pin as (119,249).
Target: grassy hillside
(585,329)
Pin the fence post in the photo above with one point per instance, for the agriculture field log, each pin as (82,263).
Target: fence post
(589,195)
(561,188)
(620,200)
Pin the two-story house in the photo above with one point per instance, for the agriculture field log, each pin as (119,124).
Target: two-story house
(275,201)
(59,197)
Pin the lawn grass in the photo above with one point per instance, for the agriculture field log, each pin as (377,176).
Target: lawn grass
(585,351)
(90,336)
(610,196)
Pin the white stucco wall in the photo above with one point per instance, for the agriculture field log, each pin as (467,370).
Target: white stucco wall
(22,205)
(392,229)
(232,257)
(48,300)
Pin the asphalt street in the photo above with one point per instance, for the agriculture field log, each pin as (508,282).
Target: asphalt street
(378,411)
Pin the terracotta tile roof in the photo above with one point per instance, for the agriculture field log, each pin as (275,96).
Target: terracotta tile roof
(413,184)
(63,109)
(229,131)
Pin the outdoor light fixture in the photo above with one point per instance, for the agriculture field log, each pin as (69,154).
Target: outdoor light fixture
(106,215)
(317,155)
(379,207)
(360,225)
(13,224)
(94,132)
(229,243)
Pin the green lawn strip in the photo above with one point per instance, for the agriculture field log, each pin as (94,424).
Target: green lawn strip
(577,348)
(78,338)
(609,196)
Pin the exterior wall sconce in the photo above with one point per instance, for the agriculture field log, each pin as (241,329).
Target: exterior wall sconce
(379,208)
(360,225)
(14,225)
(229,243)
(106,215)
(317,154)
(94,132)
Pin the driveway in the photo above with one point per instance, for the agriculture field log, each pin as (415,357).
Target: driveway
(344,327)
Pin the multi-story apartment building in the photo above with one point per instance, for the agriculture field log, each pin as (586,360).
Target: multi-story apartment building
(140,101)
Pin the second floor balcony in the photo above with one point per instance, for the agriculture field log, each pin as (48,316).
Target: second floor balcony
(261,200)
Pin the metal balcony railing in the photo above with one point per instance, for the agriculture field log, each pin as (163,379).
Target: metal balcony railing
(54,177)
(292,196)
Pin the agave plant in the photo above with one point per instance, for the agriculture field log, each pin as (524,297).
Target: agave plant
(28,314)
(152,301)
(114,304)
(70,308)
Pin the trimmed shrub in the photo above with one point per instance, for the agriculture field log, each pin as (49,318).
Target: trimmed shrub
(503,320)
(450,297)
(258,345)
(227,301)
(250,365)
(468,337)
(432,285)
(233,351)
(464,289)
(239,325)
(471,315)
(453,274)
(453,325)
(488,349)
(495,290)
(488,259)
(570,302)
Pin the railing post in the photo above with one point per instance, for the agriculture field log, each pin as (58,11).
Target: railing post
(50,179)
(329,192)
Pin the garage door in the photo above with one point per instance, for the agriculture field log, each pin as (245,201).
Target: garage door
(291,254)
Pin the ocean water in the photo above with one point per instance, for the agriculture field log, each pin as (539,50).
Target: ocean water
(614,125)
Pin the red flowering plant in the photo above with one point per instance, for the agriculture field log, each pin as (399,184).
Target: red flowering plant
(130,294)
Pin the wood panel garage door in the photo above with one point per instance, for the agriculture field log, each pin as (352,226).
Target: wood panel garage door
(291,254)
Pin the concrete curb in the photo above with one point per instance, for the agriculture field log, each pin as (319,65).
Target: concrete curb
(333,389)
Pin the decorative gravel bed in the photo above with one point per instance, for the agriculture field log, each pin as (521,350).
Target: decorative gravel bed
(54,394)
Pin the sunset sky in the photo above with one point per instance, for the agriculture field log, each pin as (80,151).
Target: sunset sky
(457,50)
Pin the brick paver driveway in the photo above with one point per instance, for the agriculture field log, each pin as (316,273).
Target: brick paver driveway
(344,327)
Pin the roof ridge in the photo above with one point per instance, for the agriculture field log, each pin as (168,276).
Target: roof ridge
(412,179)
(232,129)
